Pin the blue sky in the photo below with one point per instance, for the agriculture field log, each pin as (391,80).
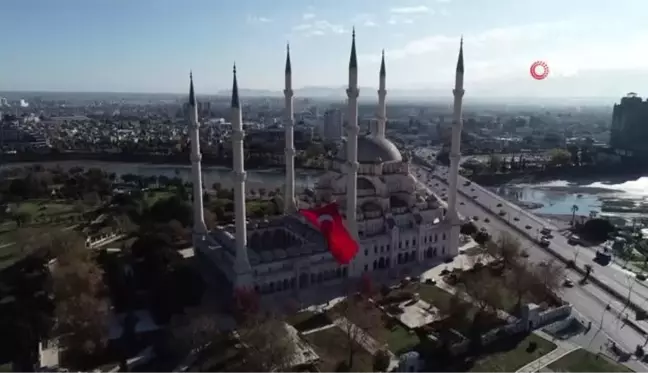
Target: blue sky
(150,45)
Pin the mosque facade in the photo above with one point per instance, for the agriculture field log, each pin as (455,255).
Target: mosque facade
(397,222)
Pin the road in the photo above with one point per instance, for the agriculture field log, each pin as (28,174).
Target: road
(588,300)
(622,281)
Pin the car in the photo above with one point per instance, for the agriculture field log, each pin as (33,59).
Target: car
(472,189)
(524,254)
(527,227)
(568,283)
(573,239)
(475,218)
(516,218)
(474,197)
(545,231)
(430,281)
(502,213)
(499,205)
(486,220)
(461,203)
(545,242)
(641,277)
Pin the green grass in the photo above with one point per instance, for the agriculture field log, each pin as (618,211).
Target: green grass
(157,195)
(400,340)
(6,367)
(331,346)
(585,361)
(515,358)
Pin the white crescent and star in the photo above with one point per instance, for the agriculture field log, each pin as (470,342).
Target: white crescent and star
(325,217)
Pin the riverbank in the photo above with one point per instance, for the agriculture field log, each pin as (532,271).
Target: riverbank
(577,175)
(268,179)
(6,160)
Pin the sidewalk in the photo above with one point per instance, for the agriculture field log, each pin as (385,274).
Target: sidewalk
(547,359)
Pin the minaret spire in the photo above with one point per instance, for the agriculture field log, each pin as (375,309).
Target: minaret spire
(382,94)
(235,94)
(242,264)
(288,66)
(289,149)
(352,143)
(460,60)
(199,227)
(455,152)
(353,61)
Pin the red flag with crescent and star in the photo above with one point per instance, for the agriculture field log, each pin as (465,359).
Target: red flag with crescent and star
(328,220)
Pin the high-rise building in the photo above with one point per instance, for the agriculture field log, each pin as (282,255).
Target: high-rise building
(629,132)
(333,125)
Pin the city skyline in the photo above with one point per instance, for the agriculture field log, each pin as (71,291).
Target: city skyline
(147,46)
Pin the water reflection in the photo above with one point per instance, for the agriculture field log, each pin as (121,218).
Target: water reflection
(268,179)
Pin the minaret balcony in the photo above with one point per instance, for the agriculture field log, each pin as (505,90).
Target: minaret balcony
(353,92)
(240,176)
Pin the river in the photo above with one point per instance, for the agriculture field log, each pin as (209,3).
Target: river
(600,197)
(268,179)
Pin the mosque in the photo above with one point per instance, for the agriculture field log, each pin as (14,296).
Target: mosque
(396,221)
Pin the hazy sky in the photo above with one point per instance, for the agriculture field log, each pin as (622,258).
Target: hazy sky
(591,46)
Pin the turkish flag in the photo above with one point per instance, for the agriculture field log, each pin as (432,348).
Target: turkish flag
(328,220)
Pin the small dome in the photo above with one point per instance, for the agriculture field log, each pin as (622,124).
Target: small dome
(373,150)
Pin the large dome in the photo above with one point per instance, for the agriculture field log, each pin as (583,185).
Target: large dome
(373,150)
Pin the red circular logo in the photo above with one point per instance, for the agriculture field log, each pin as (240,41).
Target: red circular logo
(539,70)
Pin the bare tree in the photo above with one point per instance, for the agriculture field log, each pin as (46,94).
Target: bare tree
(549,277)
(381,361)
(507,249)
(356,316)
(81,313)
(521,280)
(194,331)
(267,345)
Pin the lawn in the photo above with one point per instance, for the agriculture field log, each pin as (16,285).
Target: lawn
(400,340)
(308,320)
(585,361)
(510,360)
(441,298)
(381,327)
(331,346)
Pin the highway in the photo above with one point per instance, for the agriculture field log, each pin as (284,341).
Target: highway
(588,300)
(622,281)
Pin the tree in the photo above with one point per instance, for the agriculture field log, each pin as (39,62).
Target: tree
(194,331)
(381,361)
(267,345)
(549,276)
(494,163)
(574,209)
(588,272)
(356,316)
(559,157)
(507,249)
(521,280)
(468,228)
(482,238)
(81,314)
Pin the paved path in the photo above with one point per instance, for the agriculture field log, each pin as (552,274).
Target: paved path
(543,361)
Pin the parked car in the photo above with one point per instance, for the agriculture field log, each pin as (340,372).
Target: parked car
(545,231)
(568,283)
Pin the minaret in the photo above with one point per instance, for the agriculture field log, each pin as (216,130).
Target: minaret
(382,104)
(196,172)
(289,151)
(242,263)
(455,150)
(352,142)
